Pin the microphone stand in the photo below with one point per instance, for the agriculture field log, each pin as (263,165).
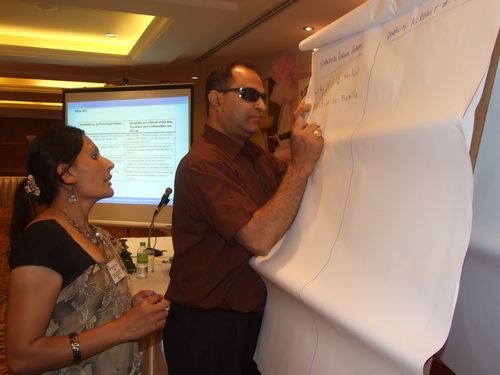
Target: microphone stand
(157,211)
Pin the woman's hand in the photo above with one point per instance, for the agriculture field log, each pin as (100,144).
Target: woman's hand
(148,314)
(143,294)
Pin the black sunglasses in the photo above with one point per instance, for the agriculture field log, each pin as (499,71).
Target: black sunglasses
(248,93)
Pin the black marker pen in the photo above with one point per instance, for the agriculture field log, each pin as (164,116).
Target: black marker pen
(285,135)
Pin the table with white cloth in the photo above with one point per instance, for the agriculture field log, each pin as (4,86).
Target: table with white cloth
(151,346)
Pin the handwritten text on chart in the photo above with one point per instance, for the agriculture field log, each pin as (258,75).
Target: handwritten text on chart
(423,16)
(337,79)
(340,56)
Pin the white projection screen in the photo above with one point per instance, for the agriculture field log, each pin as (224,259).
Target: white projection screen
(145,131)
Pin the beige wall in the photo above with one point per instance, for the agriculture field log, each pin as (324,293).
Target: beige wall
(199,118)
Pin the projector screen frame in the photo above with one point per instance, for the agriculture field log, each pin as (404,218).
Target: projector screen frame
(137,215)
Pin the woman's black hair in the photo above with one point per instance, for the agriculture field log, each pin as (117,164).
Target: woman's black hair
(57,145)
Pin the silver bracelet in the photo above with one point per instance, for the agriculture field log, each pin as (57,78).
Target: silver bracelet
(75,348)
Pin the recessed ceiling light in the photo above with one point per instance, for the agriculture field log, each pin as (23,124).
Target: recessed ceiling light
(308,28)
(111,35)
(45,6)
(195,77)
(10,84)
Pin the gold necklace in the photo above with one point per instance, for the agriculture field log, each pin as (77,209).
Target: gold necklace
(94,239)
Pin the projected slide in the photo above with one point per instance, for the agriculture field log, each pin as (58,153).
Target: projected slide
(365,281)
(145,131)
(143,139)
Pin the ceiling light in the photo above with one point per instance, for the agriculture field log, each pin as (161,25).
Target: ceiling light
(195,77)
(111,35)
(30,105)
(136,32)
(23,83)
(308,28)
(45,6)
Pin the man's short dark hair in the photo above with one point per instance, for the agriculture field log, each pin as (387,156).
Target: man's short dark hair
(221,77)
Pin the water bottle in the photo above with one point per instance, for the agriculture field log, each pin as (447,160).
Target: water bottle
(142,247)
(151,258)
(151,255)
(142,262)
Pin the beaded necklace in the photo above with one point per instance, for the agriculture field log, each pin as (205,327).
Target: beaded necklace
(94,239)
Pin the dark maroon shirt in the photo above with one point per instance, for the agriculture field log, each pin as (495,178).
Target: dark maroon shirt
(218,186)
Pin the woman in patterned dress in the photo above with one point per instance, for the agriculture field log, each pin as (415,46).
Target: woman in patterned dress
(70,308)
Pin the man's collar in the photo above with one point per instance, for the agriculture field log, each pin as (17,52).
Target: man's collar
(228,145)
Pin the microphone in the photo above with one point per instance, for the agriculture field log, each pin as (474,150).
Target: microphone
(164,198)
(163,202)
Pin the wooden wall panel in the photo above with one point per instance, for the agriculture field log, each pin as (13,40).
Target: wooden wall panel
(14,143)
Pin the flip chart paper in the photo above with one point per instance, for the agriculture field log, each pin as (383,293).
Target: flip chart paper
(366,279)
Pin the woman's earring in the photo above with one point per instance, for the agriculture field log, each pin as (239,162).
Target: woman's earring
(71,196)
